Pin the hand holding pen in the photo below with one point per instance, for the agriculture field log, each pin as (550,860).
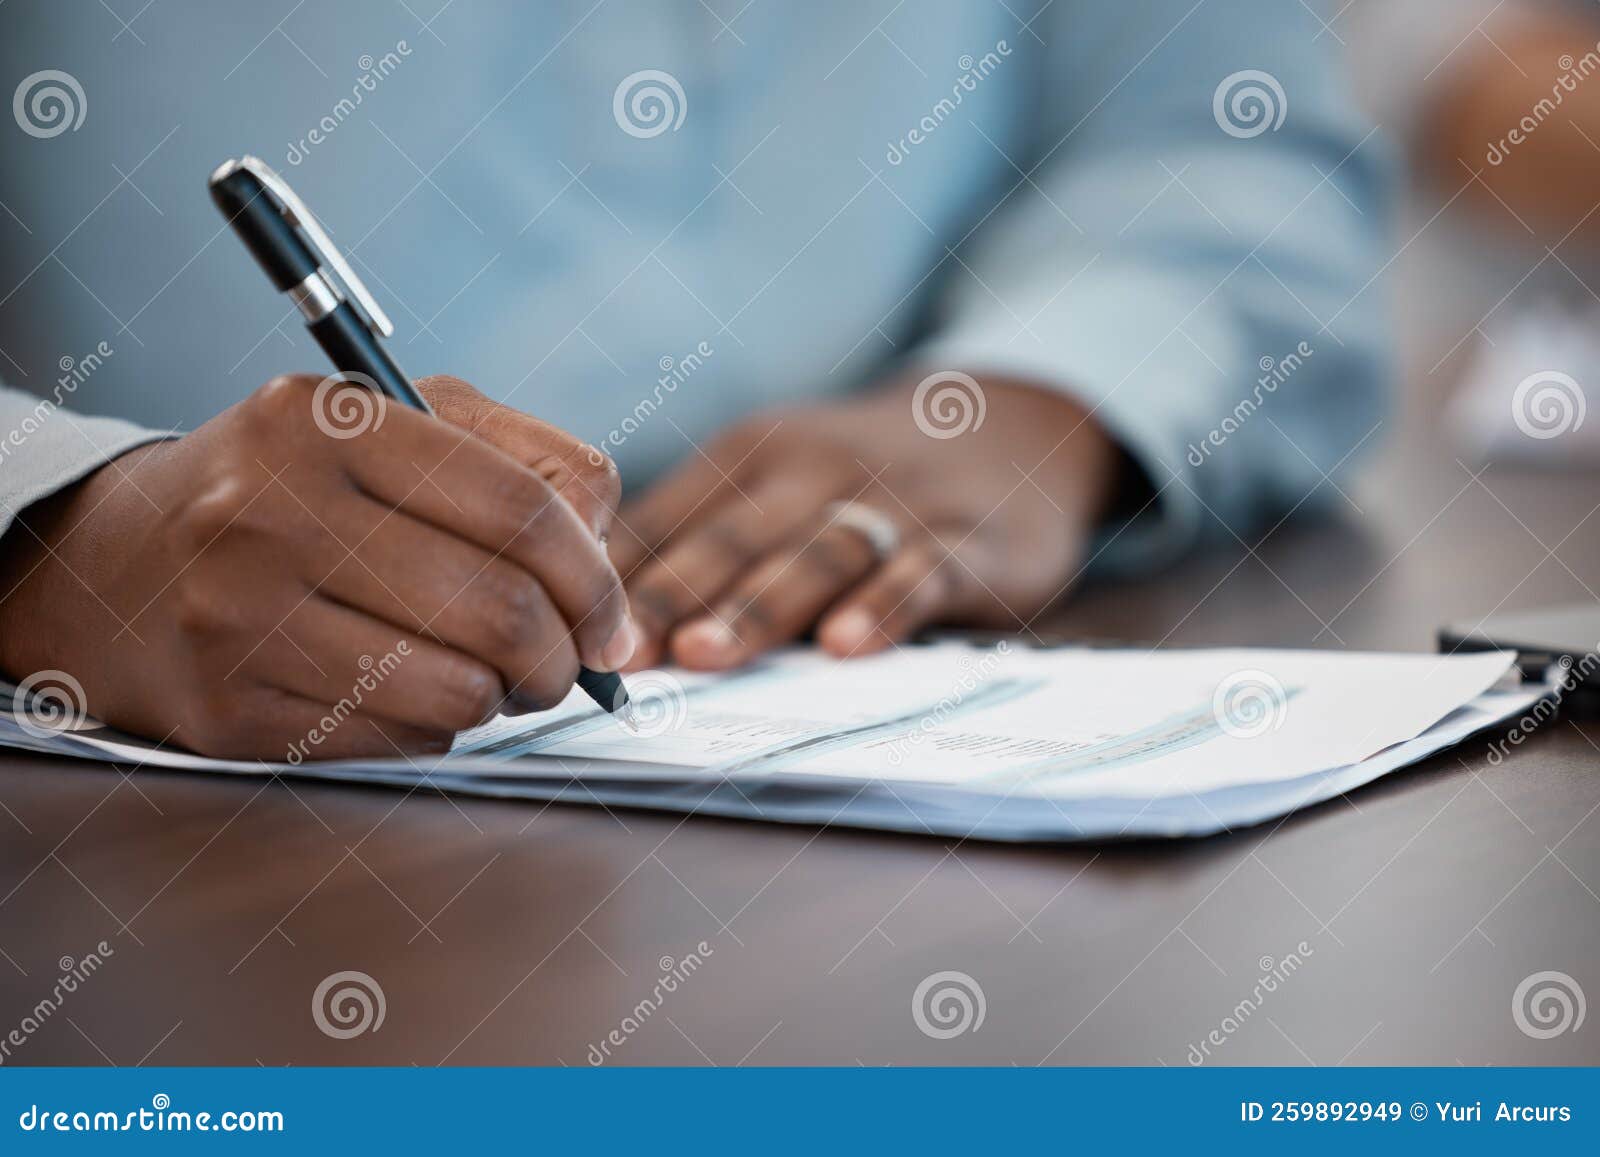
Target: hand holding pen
(302,262)
(259,589)
(317,573)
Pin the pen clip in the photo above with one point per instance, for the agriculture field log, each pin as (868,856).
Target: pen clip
(298,215)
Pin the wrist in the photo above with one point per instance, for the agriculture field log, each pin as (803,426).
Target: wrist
(1049,436)
(55,555)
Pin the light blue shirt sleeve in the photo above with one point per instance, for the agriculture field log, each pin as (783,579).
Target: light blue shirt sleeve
(1093,209)
(1192,249)
(44,447)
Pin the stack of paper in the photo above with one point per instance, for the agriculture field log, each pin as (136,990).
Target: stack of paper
(1001,743)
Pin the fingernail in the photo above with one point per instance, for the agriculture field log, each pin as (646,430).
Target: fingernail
(853,627)
(620,647)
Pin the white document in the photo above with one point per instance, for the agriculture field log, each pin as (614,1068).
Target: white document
(1005,742)
(1062,723)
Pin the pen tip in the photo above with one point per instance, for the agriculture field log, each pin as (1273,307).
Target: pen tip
(626,716)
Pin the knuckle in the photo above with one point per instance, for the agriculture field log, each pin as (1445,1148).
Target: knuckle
(214,510)
(196,610)
(509,607)
(523,501)
(598,474)
(282,395)
(468,693)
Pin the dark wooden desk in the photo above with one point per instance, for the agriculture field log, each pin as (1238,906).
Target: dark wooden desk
(504,933)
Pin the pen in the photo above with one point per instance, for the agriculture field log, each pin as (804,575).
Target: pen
(301,261)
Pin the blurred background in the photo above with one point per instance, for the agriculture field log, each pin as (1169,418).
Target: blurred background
(1496,250)
(1496,104)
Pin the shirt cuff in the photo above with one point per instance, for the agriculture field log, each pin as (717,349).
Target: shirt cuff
(48,448)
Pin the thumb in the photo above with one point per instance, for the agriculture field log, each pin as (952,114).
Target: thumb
(586,478)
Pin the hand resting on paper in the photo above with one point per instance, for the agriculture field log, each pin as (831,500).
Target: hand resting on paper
(988,492)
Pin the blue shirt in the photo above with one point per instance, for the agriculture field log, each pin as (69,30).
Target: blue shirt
(642,219)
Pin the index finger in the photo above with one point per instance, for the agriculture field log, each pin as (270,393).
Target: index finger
(580,473)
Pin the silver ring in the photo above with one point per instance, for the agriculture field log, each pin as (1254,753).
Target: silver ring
(872,524)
